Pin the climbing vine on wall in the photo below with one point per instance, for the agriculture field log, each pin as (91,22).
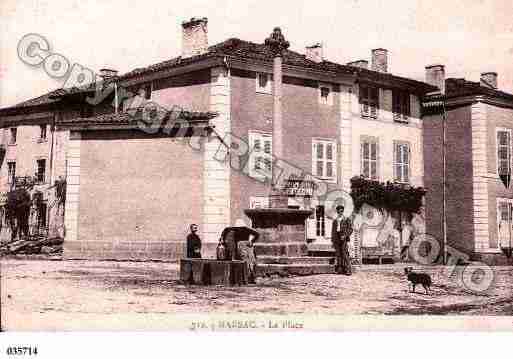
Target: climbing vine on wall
(388,196)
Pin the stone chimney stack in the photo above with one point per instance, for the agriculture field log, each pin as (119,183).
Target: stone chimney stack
(364,64)
(315,52)
(489,79)
(380,60)
(435,75)
(194,37)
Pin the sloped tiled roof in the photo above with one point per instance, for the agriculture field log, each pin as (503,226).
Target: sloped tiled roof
(124,119)
(37,101)
(459,87)
(241,49)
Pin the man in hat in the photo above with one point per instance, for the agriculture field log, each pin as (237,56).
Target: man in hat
(193,243)
(340,235)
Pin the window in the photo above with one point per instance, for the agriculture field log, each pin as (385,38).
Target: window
(11,172)
(42,211)
(325,94)
(147,91)
(369,157)
(324,157)
(14,135)
(40,171)
(504,222)
(503,152)
(401,162)
(263,83)
(42,132)
(401,105)
(320,221)
(260,161)
(369,101)
(258,202)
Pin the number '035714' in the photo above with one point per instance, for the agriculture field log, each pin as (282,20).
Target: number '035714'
(21,350)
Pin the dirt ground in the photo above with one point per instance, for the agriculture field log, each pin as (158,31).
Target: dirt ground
(53,294)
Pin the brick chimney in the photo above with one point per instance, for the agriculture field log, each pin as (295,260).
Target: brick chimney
(194,37)
(489,79)
(380,60)
(435,75)
(364,64)
(315,52)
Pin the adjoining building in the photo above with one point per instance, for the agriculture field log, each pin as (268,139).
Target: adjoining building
(133,193)
(478,195)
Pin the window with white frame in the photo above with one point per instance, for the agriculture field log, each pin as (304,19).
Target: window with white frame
(324,159)
(369,153)
(260,161)
(402,162)
(263,82)
(325,94)
(503,152)
(369,101)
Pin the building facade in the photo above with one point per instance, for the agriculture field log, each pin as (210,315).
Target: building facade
(478,124)
(129,192)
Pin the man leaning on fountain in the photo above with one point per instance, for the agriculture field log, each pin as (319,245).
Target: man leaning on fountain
(341,231)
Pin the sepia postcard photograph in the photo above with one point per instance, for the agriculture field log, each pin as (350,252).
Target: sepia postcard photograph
(255,166)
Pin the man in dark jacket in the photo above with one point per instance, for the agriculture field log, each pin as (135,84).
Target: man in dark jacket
(193,243)
(341,230)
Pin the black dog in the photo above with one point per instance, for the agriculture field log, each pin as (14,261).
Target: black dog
(418,278)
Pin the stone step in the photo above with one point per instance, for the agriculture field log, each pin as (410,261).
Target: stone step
(294,260)
(294,269)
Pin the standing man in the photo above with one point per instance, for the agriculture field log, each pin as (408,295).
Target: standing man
(193,243)
(340,234)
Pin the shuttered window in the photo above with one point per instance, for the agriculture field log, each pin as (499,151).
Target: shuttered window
(401,105)
(504,152)
(11,172)
(261,155)
(264,83)
(369,158)
(402,156)
(324,159)
(369,101)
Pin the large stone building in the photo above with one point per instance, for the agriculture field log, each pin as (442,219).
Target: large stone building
(133,193)
(478,194)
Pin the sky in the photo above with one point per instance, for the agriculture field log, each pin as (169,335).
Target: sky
(467,36)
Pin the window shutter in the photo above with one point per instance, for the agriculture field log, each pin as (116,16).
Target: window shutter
(396,162)
(362,159)
(329,151)
(408,160)
(267,147)
(376,169)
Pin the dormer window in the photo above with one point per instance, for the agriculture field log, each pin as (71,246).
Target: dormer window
(263,83)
